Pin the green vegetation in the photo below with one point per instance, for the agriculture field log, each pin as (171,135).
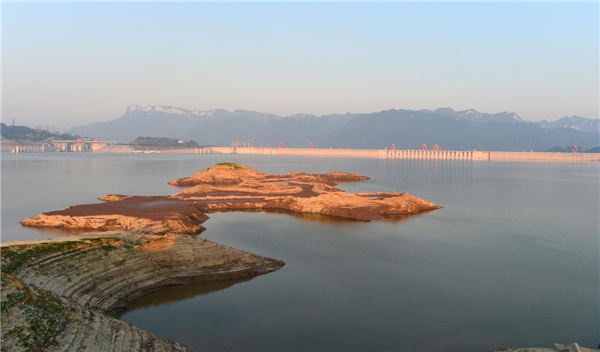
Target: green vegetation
(131,245)
(108,247)
(144,143)
(32,319)
(13,258)
(23,132)
(232,165)
(12,299)
(38,317)
(45,319)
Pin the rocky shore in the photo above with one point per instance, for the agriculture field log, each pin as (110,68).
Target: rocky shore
(62,294)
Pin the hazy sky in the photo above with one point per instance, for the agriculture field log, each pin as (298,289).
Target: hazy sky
(74,63)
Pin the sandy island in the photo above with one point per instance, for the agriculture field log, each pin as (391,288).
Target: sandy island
(226,187)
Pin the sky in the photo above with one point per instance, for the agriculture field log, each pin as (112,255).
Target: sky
(66,64)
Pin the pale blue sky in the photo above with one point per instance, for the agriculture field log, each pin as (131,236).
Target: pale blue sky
(70,63)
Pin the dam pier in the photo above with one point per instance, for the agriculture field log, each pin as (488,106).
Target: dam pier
(419,154)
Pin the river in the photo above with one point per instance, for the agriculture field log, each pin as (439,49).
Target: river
(511,259)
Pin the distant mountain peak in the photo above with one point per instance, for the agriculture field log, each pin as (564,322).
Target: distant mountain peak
(166,109)
(451,111)
(446,110)
(514,116)
(474,115)
(574,122)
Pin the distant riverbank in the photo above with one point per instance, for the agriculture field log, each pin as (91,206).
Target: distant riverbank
(419,154)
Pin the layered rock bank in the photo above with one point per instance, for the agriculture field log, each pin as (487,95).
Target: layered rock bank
(60,295)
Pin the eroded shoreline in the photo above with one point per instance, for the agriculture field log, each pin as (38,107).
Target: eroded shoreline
(92,277)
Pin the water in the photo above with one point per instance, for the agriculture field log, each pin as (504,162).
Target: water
(512,259)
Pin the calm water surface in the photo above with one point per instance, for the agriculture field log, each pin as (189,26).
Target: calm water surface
(512,259)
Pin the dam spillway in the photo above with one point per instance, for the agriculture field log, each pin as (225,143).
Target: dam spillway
(466,155)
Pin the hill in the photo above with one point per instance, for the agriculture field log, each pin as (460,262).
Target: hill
(23,133)
(162,143)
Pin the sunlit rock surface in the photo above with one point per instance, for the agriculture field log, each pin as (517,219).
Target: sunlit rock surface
(231,173)
(229,186)
(147,214)
(234,187)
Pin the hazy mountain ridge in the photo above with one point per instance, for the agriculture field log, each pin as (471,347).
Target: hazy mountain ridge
(24,133)
(468,129)
(575,122)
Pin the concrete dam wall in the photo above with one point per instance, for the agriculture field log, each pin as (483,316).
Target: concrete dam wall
(325,152)
(413,154)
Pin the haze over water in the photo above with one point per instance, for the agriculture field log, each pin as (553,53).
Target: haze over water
(511,259)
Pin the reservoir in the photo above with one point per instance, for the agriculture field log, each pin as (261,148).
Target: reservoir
(511,259)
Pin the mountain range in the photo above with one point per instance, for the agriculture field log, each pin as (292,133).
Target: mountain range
(457,130)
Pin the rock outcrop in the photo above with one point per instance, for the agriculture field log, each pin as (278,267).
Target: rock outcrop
(60,295)
(231,173)
(229,186)
(236,187)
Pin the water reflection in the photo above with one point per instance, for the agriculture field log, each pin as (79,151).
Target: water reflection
(304,216)
(321,218)
(179,293)
(53,231)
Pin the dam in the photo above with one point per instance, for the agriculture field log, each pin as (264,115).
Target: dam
(57,145)
(412,154)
